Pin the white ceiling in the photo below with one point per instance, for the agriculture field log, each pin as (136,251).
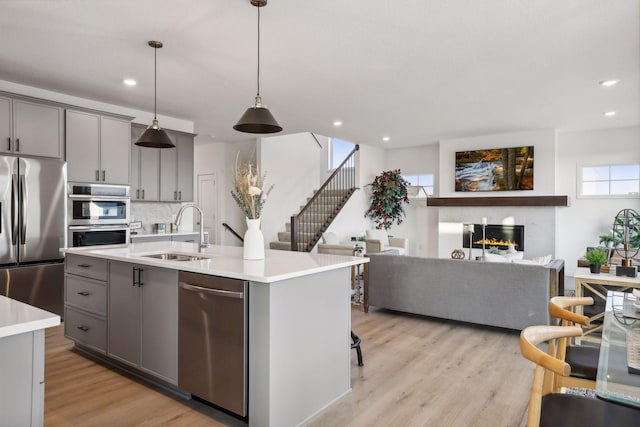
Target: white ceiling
(415,70)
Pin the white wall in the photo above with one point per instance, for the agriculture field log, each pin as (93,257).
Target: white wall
(293,163)
(219,158)
(421,223)
(580,224)
(142,117)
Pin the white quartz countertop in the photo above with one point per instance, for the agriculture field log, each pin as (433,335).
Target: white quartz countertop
(225,261)
(17,318)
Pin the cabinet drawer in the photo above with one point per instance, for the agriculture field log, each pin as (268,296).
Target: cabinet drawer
(95,268)
(86,293)
(86,329)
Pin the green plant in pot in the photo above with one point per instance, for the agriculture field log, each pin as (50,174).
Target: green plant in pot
(596,258)
(607,240)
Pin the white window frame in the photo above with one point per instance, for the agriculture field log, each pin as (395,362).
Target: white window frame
(330,152)
(422,188)
(580,181)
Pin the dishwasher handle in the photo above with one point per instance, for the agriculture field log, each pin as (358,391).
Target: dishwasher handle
(217,292)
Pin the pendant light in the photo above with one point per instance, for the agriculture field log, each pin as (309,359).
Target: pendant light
(257,118)
(154,137)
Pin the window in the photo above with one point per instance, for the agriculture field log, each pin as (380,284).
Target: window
(420,186)
(609,181)
(339,151)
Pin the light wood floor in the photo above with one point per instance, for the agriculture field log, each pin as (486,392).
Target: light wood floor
(418,372)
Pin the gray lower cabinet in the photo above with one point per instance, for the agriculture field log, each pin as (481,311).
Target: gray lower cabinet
(145,169)
(143,318)
(97,147)
(85,301)
(31,128)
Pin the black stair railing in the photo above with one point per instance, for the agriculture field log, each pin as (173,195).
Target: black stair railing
(314,218)
(228,227)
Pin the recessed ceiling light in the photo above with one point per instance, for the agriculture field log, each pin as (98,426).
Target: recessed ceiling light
(608,83)
(129,82)
(386,139)
(609,113)
(337,123)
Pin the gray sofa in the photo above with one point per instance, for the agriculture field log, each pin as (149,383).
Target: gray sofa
(505,295)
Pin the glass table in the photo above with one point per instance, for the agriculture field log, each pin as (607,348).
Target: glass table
(620,327)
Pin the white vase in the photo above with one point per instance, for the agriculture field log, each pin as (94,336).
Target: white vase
(253,240)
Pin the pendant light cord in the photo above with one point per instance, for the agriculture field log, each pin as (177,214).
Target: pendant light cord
(258,77)
(155,82)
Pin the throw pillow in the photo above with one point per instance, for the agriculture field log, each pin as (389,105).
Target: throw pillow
(496,258)
(514,255)
(379,235)
(330,238)
(541,260)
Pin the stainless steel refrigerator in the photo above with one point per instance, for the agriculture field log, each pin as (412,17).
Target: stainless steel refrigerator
(32,231)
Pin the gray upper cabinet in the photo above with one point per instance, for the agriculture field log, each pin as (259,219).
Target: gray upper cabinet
(145,169)
(143,318)
(97,148)
(30,128)
(176,169)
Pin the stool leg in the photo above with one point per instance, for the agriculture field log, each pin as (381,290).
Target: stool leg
(356,344)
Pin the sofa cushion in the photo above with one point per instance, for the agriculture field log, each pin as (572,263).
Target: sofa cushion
(378,235)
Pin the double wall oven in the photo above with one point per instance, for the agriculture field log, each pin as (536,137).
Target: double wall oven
(97,214)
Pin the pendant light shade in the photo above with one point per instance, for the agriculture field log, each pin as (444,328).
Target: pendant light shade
(154,136)
(258,118)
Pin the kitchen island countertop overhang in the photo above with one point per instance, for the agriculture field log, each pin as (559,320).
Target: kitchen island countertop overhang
(223,261)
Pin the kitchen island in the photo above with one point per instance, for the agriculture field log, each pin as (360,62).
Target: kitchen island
(298,319)
(22,362)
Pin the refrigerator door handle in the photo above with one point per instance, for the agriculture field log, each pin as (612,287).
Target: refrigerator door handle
(14,209)
(23,196)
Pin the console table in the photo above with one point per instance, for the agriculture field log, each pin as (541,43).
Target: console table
(598,284)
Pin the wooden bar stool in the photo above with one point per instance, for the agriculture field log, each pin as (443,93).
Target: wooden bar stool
(582,358)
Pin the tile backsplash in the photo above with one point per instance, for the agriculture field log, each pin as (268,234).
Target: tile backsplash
(152,212)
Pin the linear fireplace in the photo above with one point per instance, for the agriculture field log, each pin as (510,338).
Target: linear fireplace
(496,235)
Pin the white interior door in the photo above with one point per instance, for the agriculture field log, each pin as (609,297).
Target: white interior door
(208,202)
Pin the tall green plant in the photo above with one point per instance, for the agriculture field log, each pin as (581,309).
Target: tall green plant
(388,193)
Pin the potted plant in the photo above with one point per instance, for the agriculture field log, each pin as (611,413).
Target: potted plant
(596,258)
(607,240)
(388,193)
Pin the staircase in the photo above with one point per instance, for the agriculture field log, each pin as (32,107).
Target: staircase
(305,228)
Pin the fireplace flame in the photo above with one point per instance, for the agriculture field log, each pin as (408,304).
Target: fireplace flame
(495,242)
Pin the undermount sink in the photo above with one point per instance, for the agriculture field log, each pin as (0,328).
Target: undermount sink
(176,257)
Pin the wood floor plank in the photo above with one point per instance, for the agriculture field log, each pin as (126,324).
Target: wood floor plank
(418,371)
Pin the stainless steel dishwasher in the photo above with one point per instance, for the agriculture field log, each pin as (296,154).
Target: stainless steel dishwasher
(212,358)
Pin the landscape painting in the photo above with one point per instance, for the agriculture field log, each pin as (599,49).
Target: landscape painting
(498,169)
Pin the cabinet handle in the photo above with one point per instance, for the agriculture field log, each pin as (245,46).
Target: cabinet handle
(140,270)
(175,195)
(142,193)
(84,265)
(179,195)
(134,276)
(104,175)
(17,144)
(84,294)
(9,141)
(137,193)
(97,175)
(83,328)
